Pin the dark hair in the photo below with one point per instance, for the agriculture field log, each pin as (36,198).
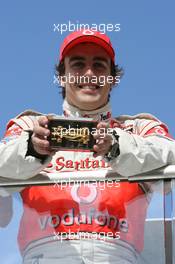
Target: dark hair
(116,71)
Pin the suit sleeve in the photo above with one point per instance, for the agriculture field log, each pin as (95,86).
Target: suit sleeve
(14,163)
(149,147)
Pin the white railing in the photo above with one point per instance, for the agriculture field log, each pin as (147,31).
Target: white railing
(164,173)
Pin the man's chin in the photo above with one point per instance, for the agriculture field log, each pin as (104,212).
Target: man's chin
(90,104)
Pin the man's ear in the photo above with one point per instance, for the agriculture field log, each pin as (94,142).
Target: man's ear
(116,81)
(111,86)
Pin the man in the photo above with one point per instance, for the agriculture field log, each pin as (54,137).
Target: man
(85,223)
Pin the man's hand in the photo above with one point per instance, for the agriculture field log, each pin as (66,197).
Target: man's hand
(39,137)
(103,140)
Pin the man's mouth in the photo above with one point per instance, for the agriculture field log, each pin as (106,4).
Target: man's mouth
(88,86)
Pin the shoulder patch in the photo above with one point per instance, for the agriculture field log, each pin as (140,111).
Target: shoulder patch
(160,130)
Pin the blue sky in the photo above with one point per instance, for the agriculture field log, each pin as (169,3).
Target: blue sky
(29,50)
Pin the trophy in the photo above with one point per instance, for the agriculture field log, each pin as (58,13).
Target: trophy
(71,133)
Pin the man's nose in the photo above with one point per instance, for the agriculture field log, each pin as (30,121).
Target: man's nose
(89,71)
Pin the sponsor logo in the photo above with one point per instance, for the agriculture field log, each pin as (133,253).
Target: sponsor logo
(92,217)
(61,164)
(82,199)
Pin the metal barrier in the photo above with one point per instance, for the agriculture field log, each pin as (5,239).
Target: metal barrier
(159,245)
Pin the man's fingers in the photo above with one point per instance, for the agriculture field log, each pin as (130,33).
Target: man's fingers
(43,121)
(41,146)
(105,137)
(40,143)
(39,137)
(41,131)
(102,130)
(45,152)
(102,145)
(102,125)
(101,150)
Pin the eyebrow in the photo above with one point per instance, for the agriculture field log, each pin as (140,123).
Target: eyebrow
(76,58)
(83,59)
(101,59)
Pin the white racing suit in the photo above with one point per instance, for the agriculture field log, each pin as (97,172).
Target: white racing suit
(92,222)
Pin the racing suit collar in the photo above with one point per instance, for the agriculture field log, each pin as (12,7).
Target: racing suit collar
(100,114)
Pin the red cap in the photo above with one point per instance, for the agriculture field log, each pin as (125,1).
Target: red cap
(78,37)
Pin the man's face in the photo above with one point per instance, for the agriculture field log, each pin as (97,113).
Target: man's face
(88,60)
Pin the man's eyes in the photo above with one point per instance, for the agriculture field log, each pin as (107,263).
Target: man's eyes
(99,65)
(78,64)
